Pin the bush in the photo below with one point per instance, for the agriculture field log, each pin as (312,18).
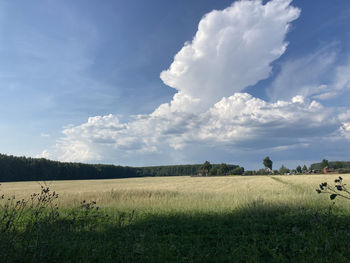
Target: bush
(237,171)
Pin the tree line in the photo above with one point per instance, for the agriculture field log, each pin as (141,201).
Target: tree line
(14,168)
(208,169)
(336,165)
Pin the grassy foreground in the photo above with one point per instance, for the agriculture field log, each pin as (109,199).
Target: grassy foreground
(177,219)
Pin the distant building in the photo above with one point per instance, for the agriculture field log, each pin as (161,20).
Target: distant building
(327,170)
(269,171)
(203,172)
(315,171)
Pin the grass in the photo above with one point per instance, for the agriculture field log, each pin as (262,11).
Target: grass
(183,219)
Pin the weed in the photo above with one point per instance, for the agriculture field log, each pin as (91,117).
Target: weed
(338,189)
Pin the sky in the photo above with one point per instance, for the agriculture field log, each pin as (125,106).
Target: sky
(159,82)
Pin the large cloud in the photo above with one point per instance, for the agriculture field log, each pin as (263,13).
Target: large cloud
(232,122)
(231,50)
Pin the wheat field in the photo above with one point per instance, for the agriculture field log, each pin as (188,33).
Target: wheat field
(186,193)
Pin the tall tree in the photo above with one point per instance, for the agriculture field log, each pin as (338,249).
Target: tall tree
(267,162)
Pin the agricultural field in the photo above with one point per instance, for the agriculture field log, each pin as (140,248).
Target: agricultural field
(176,219)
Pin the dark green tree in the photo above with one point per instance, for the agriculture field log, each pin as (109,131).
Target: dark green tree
(213,171)
(206,166)
(223,169)
(267,162)
(298,169)
(237,171)
(337,165)
(324,163)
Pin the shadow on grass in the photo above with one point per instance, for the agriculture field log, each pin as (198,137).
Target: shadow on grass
(257,233)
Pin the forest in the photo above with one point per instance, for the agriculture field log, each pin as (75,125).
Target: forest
(14,168)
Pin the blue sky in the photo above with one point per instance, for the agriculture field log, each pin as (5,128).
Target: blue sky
(97,81)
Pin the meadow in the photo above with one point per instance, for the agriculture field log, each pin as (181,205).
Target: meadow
(179,219)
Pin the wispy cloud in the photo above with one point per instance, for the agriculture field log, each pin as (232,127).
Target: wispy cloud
(319,75)
(304,76)
(45,135)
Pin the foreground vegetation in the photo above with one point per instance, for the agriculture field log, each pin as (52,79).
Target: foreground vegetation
(175,219)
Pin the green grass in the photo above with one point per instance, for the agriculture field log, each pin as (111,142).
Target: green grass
(183,219)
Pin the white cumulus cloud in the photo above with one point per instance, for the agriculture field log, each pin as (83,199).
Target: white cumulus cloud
(231,50)
(345,127)
(232,122)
